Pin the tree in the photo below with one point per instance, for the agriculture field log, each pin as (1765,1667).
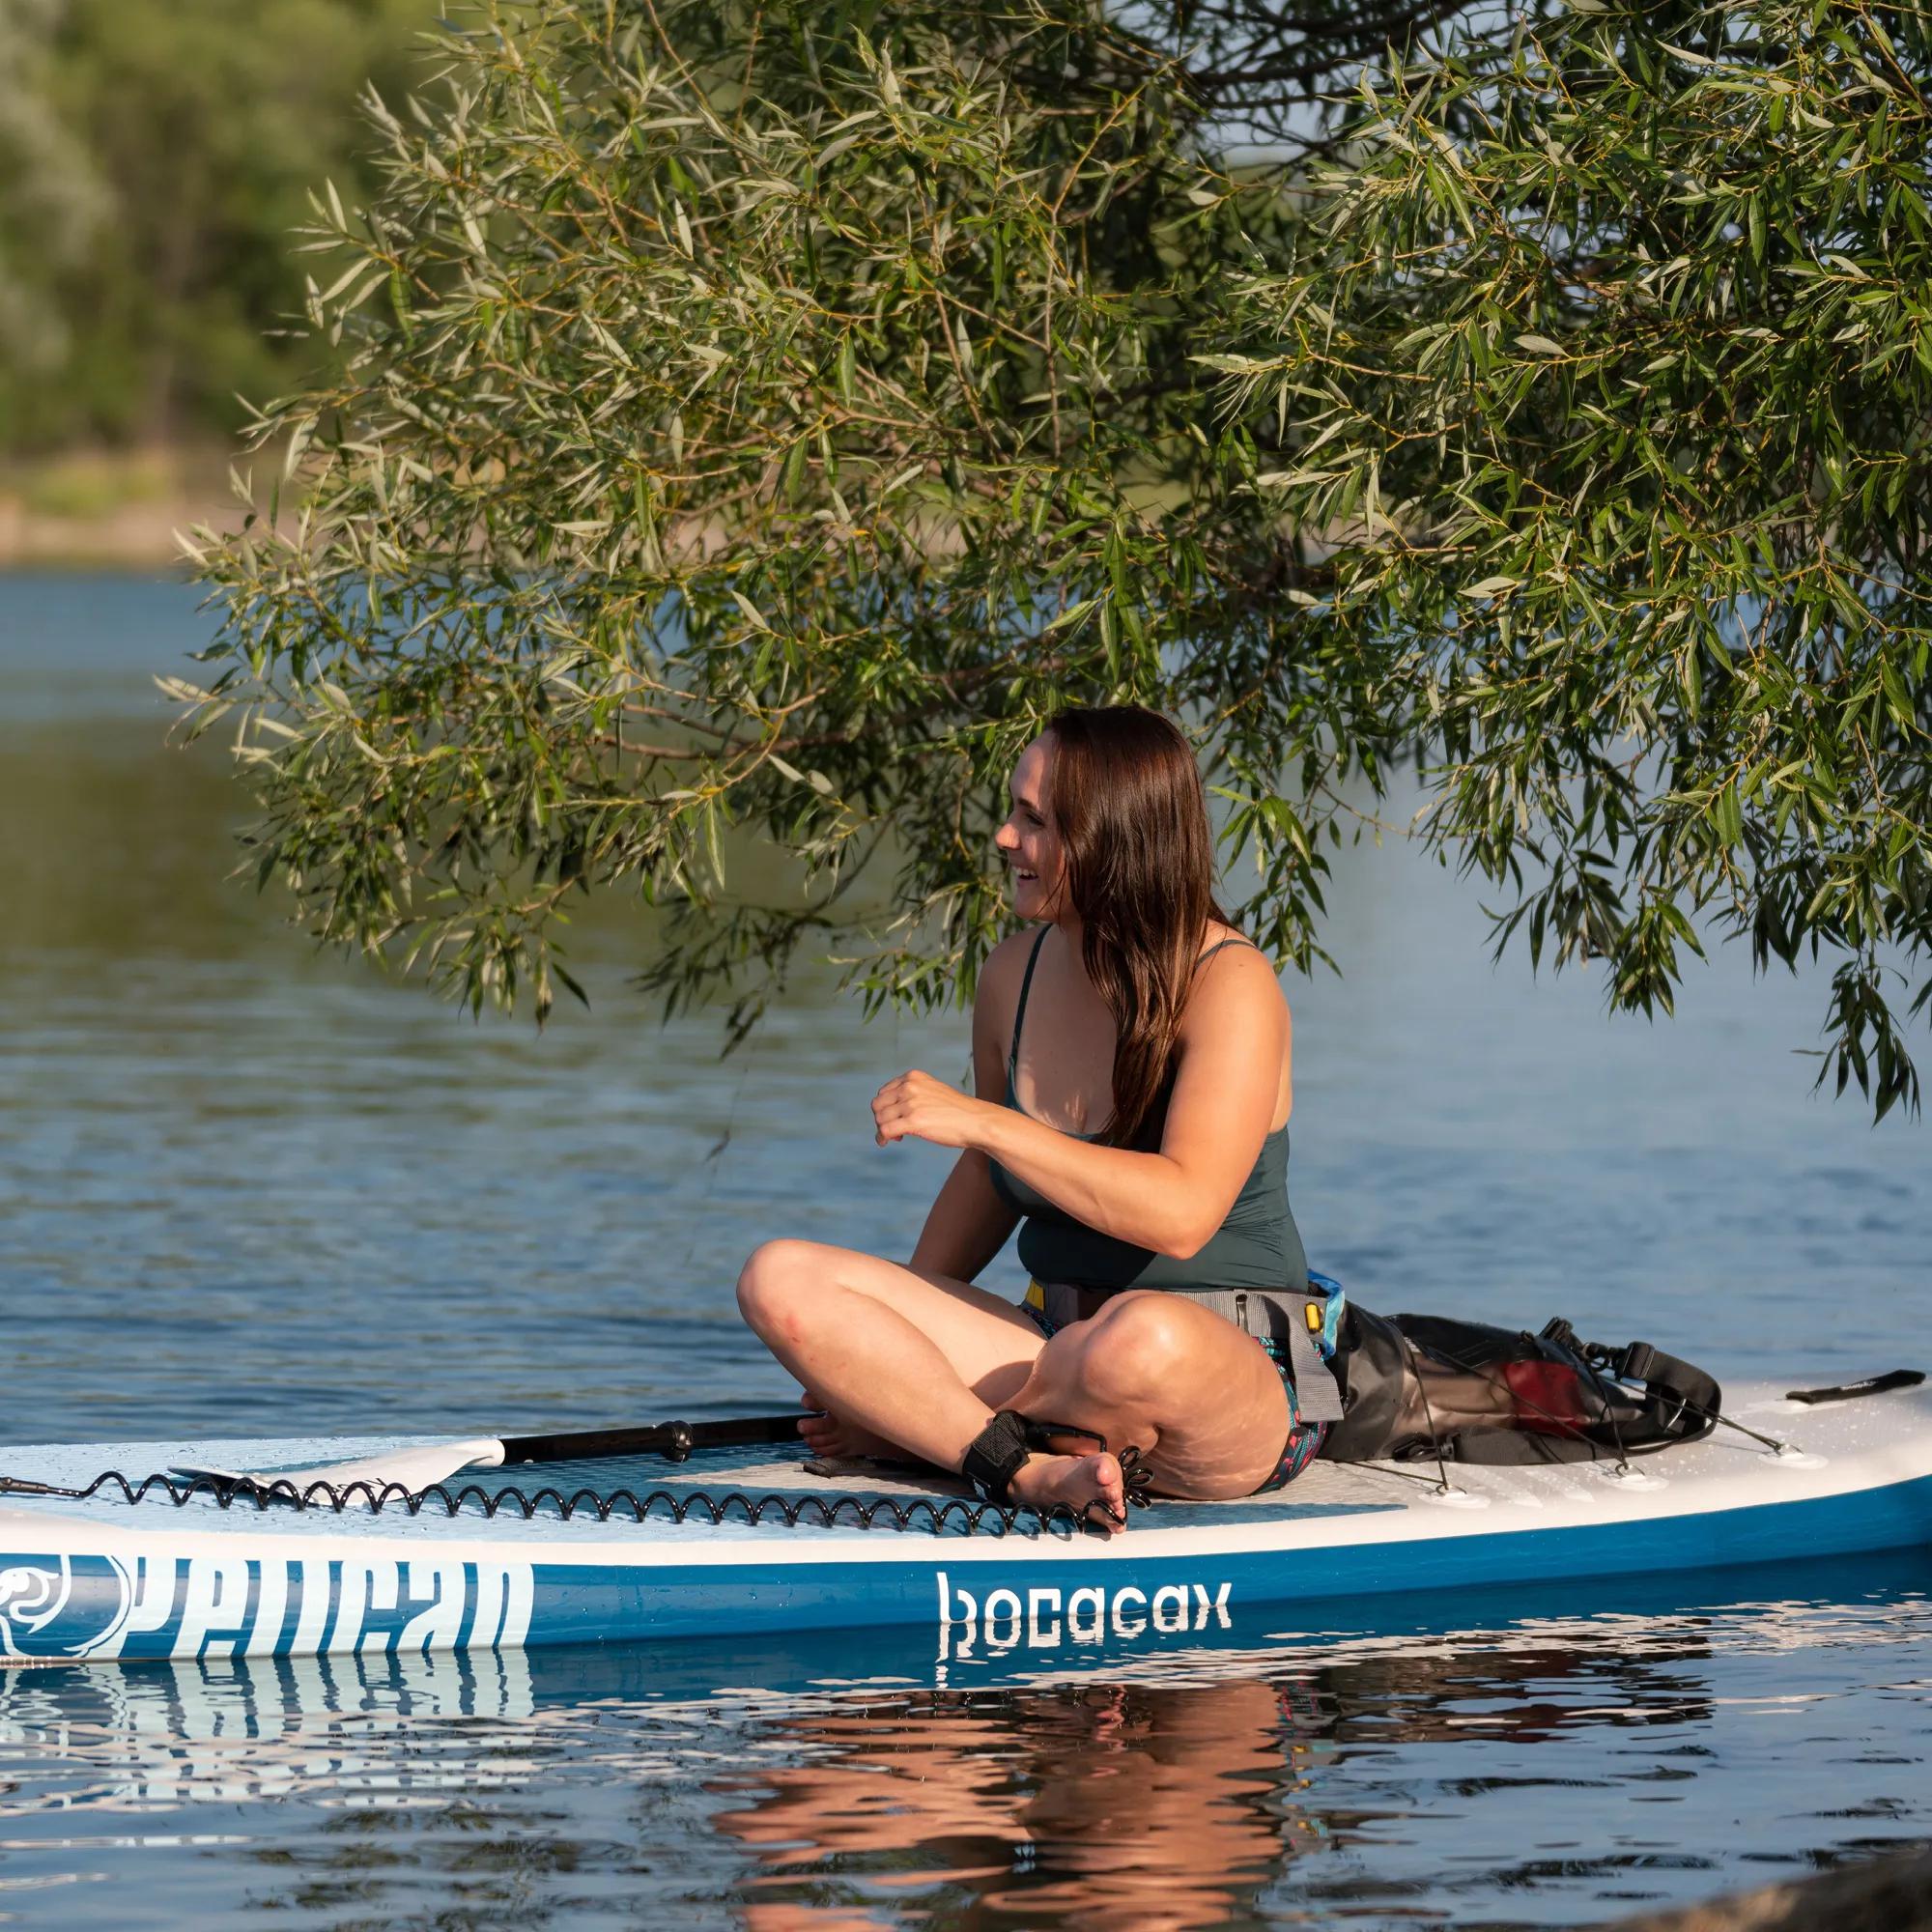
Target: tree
(164,153)
(54,200)
(765,416)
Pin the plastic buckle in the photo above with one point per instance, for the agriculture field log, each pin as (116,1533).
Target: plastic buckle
(1637,1361)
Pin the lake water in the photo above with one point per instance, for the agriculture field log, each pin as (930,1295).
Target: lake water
(250,1188)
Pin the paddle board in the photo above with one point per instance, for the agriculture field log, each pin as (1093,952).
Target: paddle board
(107,1578)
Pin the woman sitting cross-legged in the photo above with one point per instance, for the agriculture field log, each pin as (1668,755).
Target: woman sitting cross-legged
(1132,1054)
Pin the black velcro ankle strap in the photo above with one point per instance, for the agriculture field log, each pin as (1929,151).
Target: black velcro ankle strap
(995,1455)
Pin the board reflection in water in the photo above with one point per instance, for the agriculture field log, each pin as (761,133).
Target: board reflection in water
(1254,1774)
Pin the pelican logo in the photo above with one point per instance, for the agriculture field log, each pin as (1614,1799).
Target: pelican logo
(226,1604)
(62,1606)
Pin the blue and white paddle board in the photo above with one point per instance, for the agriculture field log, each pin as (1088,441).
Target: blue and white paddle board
(112,1579)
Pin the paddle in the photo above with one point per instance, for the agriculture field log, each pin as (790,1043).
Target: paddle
(416,1469)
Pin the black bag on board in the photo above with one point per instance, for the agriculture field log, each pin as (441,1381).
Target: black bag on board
(1416,1386)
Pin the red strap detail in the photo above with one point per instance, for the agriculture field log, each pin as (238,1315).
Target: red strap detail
(1545,1397)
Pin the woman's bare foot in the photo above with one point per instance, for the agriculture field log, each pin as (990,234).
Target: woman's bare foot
(832,1436)
(1089,1486)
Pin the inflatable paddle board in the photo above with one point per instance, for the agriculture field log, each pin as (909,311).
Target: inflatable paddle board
(748,1543)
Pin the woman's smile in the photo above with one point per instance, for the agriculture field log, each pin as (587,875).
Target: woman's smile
(1028,842)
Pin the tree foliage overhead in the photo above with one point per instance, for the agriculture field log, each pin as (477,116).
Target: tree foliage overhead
(1606,367)
(763,417)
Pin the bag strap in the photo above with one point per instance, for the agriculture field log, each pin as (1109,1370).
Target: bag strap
(1666,1379)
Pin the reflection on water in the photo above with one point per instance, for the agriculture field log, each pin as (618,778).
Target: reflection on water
(1534,1770)
(246,1188)
(1119,1806)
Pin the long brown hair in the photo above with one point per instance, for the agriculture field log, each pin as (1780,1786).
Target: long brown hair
(1126,795)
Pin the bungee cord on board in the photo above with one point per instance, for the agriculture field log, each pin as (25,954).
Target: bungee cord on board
(954,1515)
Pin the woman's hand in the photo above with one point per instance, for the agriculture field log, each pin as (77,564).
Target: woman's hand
(917,1104)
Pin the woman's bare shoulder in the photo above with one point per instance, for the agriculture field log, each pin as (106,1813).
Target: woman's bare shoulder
(1238,974)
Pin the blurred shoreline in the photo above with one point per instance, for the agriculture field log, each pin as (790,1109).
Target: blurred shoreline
(110,509)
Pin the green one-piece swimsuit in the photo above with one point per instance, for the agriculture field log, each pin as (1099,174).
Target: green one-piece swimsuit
(1256,1245)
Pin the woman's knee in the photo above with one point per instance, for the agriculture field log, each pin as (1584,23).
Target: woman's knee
(1133,1348)
(773,1283)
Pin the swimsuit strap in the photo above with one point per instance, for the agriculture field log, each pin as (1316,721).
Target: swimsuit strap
(1019,1012)
(1234,940)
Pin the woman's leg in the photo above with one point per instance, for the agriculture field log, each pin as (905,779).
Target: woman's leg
(1200,1400)
(923,1361)
(919,1361)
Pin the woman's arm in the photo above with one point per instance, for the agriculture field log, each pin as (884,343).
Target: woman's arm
(968,1223)
(1228,1074)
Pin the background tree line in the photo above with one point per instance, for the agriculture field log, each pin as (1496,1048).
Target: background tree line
(156,161)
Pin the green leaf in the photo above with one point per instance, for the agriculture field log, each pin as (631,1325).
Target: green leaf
(752,614)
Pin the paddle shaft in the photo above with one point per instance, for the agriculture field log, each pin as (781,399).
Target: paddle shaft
(673,1440)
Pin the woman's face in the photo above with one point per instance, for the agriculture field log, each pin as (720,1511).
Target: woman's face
(1030,839)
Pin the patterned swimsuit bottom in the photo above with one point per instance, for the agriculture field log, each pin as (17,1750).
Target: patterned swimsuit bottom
(1304,1438)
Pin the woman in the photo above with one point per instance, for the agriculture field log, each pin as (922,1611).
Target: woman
(1132,1050)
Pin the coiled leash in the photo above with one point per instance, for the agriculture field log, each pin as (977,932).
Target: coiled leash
(999,1452)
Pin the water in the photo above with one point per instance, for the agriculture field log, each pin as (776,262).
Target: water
(247,1187)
